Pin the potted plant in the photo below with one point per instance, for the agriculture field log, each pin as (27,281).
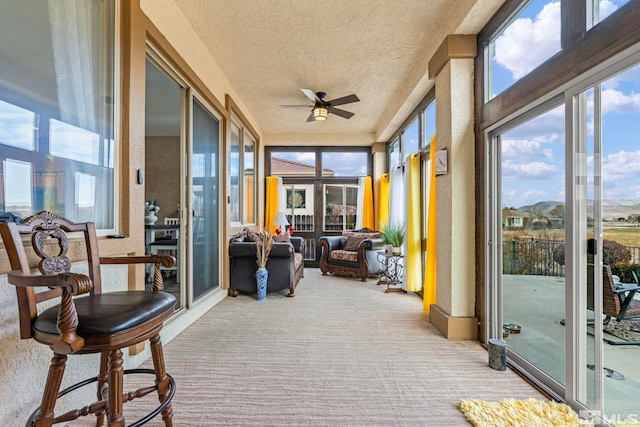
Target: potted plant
(264,241)
(393,234)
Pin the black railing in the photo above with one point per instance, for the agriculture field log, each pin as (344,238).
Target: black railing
(535,257)
(531,257)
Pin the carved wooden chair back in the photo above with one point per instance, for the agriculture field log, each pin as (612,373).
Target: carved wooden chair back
(50,244)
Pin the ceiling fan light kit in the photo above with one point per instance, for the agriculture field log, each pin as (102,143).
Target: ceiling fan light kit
(321,108)
(320,113)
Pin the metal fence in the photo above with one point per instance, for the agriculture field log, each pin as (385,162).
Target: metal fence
(531,257)
(536,257)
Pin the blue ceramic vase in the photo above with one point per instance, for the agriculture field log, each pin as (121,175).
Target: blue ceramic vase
(262,274)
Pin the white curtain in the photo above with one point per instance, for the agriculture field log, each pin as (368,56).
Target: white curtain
(397,197)
(360,204)
(72,37)
(282,196)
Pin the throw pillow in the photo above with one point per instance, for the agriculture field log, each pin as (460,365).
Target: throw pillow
(249,235)
(352,243)
(282,238)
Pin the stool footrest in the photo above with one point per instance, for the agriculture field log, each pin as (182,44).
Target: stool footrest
(102,404)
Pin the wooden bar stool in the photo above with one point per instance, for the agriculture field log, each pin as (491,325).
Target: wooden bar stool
(86,320)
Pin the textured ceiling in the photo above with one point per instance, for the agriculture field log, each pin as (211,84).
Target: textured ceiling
(379,50)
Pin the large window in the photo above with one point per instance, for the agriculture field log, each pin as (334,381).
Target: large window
(527,41)
(242,165)
(534,35)
(415,134)
(411,138)
(320,189)
(57,143)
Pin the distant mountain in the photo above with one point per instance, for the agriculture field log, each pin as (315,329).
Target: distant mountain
(611,209)
(541,207)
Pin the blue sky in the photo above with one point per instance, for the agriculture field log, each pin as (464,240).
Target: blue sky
(533,153)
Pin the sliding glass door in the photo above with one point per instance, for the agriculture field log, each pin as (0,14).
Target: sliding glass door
(531,214)
(182,169)
(205,188)
(564,241)
(606,202)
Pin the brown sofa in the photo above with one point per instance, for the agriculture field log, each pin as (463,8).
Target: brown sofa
(285,265)
(351,254)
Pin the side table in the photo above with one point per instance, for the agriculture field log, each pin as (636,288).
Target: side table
(392,273)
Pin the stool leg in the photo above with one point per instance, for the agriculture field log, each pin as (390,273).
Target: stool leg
(44,418)
(116,379)
(103,385)
(161,378)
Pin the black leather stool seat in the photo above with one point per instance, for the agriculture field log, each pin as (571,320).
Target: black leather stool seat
(109,313)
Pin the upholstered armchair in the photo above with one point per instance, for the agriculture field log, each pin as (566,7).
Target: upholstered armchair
(351,254)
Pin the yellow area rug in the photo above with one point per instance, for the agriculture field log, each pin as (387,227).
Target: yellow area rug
(519,413)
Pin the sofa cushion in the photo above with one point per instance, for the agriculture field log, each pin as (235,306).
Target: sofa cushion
(245,235)
(342,255)
(352,243)
(368,235)
(282,238)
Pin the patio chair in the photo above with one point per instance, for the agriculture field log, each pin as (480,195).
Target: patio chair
(617,300)
(86,320)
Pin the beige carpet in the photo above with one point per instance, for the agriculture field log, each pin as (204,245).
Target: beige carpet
(341,353)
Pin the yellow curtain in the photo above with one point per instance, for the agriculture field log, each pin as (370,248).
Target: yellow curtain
(271,203)
(429,292)
(413,255)
(367,210)
(249,211)
(383,207)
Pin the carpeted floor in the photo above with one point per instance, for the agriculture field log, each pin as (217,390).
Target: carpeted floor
(341,353)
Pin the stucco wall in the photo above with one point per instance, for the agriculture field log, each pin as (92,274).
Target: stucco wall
(24,363)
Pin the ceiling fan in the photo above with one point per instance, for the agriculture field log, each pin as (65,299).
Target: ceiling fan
(321,108)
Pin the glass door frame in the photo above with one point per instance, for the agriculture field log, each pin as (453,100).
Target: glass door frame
(188,95)
(191,97)
(159,61)
(494,244)
(576,208)
(573,97)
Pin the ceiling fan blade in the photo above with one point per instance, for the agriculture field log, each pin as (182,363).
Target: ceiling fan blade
(295,106)
(311,118)
(310,94)
(344,100)
(341,113)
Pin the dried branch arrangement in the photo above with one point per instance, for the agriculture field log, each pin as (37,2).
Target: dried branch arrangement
(264,240)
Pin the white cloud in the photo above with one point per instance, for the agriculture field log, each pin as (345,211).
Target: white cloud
(513,149)
(532,170)
(527,43)
(607,7)
(618,102)
(509,192)
(620,172)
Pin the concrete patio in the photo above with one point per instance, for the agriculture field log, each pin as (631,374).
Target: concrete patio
(536,303)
